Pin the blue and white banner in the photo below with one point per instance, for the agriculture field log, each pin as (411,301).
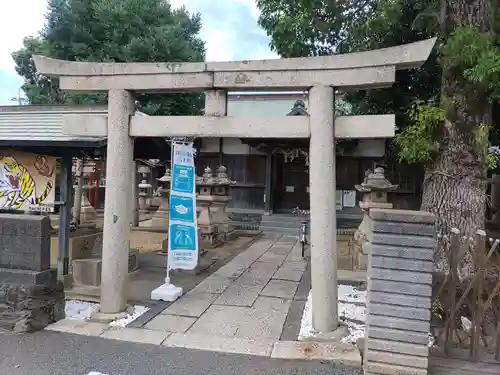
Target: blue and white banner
(183,230)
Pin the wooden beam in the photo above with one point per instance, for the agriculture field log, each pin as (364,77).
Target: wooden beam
(346,127)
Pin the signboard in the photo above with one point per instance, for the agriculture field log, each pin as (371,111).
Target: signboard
(349,198)
(183,230)
(338,200)
(27,181)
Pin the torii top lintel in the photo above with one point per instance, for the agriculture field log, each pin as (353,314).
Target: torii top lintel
(374,68)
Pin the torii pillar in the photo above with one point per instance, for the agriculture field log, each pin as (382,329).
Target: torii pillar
(118,201)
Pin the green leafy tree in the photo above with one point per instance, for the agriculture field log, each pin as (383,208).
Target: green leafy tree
(113,31)
(445,109)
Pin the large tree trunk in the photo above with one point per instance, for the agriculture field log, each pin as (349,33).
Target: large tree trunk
(455,185)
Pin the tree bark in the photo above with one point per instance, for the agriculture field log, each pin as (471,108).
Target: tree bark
(455,184)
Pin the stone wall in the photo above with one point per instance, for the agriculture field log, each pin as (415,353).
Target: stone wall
(400,267)
(30,295)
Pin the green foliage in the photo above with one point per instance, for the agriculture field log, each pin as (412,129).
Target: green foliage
(119,31)
(417,142)
(464,48)
(308,28)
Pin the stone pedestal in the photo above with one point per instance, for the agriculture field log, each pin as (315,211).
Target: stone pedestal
(209,232)
(31,297)
(144,188)
(221,194)
(207,229)
(374,189)
(88,271)
(88,213)
(161,216)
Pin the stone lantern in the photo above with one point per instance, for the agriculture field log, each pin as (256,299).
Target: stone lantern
(221,198)
(205,186)
(374,191)
(160,218)
(144,187)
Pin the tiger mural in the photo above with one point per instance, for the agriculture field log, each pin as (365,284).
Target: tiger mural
(17,186)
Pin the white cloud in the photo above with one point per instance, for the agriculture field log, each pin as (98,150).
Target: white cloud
(20,18)
(230,30)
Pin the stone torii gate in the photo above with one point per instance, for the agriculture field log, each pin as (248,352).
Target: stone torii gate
(319,75)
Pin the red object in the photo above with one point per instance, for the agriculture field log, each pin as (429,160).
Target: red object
(96,192)
(90,190)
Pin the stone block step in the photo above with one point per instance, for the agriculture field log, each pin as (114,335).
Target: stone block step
(280,230)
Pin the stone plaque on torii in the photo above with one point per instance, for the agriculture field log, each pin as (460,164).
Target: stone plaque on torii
(319,75)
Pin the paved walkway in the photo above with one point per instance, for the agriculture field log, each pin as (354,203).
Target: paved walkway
(241,308)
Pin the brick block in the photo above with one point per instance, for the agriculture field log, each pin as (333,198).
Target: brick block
(423,290)
(402,264)
(405,276)
(403,241)
(426,230)
(403,216)
(392,322)
(400,252)
(396,359)
(398,335)
(400,300)
(372,368)
(412,313)
(417,350)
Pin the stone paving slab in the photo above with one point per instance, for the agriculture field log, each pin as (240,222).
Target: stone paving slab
(170,323)
(78,327)
(260,347)
(239,295)
(270,257)
(288,273)
(258,274)
(219,320)
(291,328)
(343,353)
(264,320)
(138,335)
(213,284)
(280,289)
(192,304)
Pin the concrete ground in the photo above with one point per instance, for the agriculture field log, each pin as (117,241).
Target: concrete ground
(251,305)
(153,265)
(54,353)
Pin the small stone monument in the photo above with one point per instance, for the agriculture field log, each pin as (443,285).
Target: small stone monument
(207,228)
(144,187)
(374,190)
(88,212)
(161,216)
(31,297)
(221,198)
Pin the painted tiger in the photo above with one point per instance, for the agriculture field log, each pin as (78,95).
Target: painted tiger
(18,186)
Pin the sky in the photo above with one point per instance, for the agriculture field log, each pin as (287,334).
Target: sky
(230,31)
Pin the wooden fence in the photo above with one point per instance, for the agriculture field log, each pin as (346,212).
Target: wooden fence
(466,310)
